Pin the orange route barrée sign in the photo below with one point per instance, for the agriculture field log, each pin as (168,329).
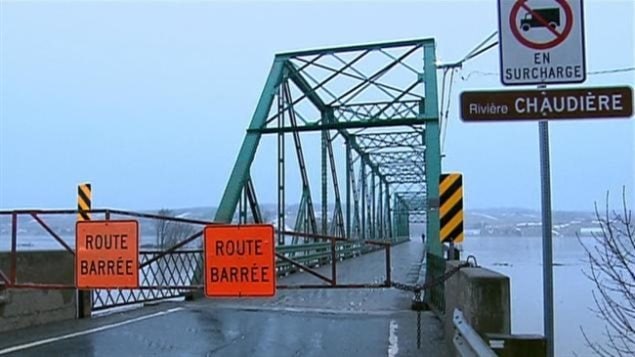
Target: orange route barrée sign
(107,254)
(239,261)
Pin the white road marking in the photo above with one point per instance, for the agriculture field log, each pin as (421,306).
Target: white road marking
(393,347)
(86,332)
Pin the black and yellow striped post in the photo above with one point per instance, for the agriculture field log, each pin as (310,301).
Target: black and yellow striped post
(84,196)
(451,212)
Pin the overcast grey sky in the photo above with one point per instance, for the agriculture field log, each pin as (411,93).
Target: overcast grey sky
(149,101)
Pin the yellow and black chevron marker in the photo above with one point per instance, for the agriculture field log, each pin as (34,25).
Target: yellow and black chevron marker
(451,212)
(83,202)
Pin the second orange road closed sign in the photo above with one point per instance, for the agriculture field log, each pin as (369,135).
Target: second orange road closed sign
(239,261)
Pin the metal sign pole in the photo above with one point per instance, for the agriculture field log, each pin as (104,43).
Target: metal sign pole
(522,48)
(547,256)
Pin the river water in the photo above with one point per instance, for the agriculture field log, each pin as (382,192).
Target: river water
(47,242)
(520,258)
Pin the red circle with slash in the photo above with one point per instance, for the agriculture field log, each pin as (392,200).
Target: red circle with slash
(559,36)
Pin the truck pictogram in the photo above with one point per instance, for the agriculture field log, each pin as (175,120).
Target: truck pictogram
(551,17)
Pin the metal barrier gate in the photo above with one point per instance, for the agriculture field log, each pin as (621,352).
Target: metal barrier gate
(175,271)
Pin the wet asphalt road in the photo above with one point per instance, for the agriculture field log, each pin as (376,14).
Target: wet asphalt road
(317,322)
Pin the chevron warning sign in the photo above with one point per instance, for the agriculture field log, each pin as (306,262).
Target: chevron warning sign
(83,201)
(451,212)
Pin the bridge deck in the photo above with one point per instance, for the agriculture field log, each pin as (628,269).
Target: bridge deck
(316,322)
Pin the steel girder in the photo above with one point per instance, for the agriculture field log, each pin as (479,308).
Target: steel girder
(374,141)
(376,110)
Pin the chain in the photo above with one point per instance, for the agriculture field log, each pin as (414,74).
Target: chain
(419,329)
(418,301)
(418,288)
(435,281)
(405,287)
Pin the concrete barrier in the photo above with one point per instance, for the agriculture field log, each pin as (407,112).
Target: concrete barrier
(518,345)
(27,307)
(483,296)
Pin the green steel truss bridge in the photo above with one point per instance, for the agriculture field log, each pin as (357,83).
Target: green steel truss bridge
(371,115)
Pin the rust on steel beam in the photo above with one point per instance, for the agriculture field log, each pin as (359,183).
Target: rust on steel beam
(172,249)
(5,278)
(304,267)
(52,233)
(104,211)
(341,286)
(68,286)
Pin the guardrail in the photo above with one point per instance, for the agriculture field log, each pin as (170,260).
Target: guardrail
(467,341)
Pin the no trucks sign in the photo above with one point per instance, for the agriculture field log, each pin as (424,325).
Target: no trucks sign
(541,41)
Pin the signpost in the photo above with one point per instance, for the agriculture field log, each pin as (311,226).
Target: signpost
(541,41)
(107,254)
(552,104)
(239,260)
(547,247)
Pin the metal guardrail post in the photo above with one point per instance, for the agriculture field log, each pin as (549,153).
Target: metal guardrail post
(333,262)
(388,267)
(466,340)
(14,243)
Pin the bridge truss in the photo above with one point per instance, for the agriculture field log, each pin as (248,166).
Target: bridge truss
(370,113)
